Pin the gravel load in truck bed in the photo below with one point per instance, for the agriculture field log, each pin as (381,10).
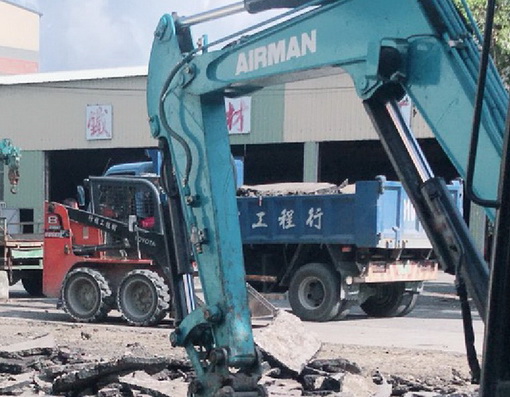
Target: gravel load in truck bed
(295,188)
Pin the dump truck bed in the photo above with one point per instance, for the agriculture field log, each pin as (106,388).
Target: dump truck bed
(378,214)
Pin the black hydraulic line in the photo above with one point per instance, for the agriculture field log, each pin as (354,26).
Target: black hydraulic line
(91,249)
(475,133)
(182,260)
(469,334)
(496,355)
(164,120)
(444,225)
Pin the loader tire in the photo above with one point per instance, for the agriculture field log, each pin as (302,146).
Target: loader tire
(389,300)
(314,292)
(86,295)
(143,298)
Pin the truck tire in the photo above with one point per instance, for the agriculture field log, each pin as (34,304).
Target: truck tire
(86,295)
(314,292)
(32,282)
(15,277)
(388,300)
(143,298)
(409,300)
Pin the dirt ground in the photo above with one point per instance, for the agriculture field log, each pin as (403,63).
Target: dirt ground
(443,372)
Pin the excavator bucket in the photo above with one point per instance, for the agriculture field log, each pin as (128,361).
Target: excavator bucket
(261,309)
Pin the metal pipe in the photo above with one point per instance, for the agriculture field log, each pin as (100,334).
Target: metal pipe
(477,117)
(412,146)
(496,357)
(206,16)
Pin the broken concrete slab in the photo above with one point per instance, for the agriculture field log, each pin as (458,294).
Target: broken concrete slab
(315,383)
(15,384)
(335,365)
(281,387)
(383,390)
(15,365)
(287,343)
(42,384)
(109,392)
(44,344)
(358,385)
(91,374)
(145,383)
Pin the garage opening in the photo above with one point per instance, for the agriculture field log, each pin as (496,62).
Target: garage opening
(271,163)
(364,160)
(68,168)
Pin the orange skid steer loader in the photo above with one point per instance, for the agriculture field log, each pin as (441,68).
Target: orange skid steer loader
(114,255)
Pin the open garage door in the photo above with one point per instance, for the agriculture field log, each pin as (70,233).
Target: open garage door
(68,168)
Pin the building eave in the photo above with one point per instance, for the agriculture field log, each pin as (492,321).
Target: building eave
(74,75)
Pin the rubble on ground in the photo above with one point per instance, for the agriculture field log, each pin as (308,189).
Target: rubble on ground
(41,367)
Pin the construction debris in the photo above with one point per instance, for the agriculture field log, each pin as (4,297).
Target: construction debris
(143,382)
(287,330)
(40,367)
(295,188)
(92,373)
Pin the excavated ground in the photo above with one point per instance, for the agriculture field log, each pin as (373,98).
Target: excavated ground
(423,372)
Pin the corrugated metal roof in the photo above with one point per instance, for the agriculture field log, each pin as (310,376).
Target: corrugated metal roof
(74,75)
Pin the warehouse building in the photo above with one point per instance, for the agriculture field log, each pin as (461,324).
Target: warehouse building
(74,124)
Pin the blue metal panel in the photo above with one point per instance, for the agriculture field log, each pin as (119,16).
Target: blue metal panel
(296,219)
(379,214)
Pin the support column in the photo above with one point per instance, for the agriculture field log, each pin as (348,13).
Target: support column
(477,225)
(4,285)
(311,162)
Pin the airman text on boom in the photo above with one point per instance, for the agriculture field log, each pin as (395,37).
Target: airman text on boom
(277,52)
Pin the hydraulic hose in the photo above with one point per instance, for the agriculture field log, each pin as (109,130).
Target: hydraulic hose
(482,76)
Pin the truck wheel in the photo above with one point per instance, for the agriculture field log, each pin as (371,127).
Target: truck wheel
(15,277)
(86,295)
(409,300)
(387,301)
(143,298)
(32,282)
(314,292)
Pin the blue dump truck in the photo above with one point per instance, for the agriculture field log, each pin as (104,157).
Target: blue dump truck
(333,248)
(361,246)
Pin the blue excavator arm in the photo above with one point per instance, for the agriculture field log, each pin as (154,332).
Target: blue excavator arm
(420,47)
(10,156)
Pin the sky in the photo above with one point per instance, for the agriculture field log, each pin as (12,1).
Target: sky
(96,34)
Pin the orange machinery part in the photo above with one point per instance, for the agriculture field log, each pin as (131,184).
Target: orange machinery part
(60,233)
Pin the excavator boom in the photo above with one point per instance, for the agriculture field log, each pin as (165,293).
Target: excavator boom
(420,47)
